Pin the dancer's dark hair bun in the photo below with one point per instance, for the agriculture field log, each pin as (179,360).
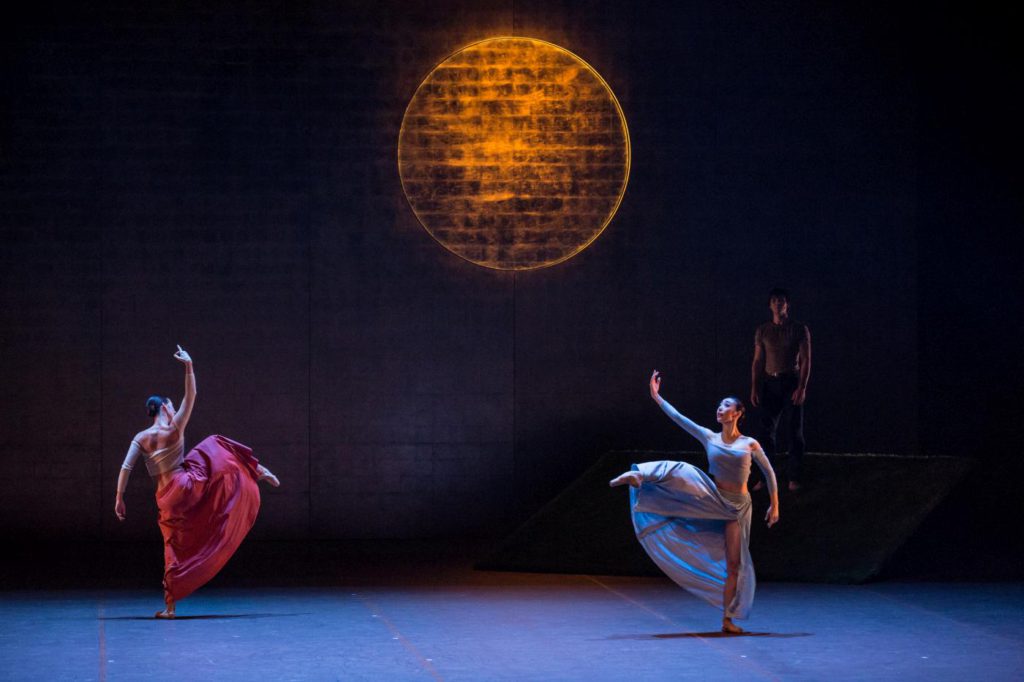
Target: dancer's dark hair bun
(153,404)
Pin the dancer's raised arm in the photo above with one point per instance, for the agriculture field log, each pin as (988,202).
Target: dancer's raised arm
(185,410)
(691,427)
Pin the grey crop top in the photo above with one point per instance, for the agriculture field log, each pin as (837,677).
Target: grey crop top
(159,461)
(725,464)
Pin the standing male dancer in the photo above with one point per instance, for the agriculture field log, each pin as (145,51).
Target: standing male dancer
(778,380)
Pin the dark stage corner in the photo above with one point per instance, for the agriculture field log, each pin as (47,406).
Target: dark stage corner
(425,256)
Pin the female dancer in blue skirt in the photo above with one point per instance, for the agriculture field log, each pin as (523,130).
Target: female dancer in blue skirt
(697,530)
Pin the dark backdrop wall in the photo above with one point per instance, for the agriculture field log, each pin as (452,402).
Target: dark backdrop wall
(225,178)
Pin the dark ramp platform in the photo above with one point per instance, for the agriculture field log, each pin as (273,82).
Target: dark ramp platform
(854,512)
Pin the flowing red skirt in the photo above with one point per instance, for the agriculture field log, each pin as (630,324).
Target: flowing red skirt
(206,510)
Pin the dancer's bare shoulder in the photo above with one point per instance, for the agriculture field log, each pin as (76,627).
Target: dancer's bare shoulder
(146,439)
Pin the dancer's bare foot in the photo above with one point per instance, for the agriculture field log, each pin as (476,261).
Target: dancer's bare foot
(631,478)
(730,628)
(168,612)
(267,475)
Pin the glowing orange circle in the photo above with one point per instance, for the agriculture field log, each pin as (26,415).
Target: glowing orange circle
(514,153)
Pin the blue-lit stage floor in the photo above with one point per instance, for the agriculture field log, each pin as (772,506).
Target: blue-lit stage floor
(453,623)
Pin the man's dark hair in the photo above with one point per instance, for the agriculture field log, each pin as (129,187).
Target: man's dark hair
(779,292)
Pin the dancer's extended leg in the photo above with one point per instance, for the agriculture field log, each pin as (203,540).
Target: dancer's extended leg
(267,475)
(631,478)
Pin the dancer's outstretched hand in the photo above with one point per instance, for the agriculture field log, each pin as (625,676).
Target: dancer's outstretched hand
(655,384)
(183,356)
(772,515)
(119,509)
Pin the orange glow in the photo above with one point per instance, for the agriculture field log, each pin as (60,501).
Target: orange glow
(514,153)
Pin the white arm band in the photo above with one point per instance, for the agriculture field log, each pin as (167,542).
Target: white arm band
(134,451)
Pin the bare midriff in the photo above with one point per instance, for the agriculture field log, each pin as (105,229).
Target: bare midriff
(739,488)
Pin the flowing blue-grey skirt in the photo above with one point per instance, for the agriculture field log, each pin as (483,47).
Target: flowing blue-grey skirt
(679,516)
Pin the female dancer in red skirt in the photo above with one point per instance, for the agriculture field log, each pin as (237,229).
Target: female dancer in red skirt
(208,499)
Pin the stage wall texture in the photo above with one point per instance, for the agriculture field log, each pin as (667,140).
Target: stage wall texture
(226,178)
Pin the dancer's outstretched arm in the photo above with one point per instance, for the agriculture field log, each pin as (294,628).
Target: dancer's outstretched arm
(772,517)
(185,410)
(653,472)
(691,427)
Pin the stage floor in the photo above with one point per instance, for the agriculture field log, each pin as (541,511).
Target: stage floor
(460,624)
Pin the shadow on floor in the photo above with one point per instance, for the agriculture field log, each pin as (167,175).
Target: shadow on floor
(712,635)
(246,616)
